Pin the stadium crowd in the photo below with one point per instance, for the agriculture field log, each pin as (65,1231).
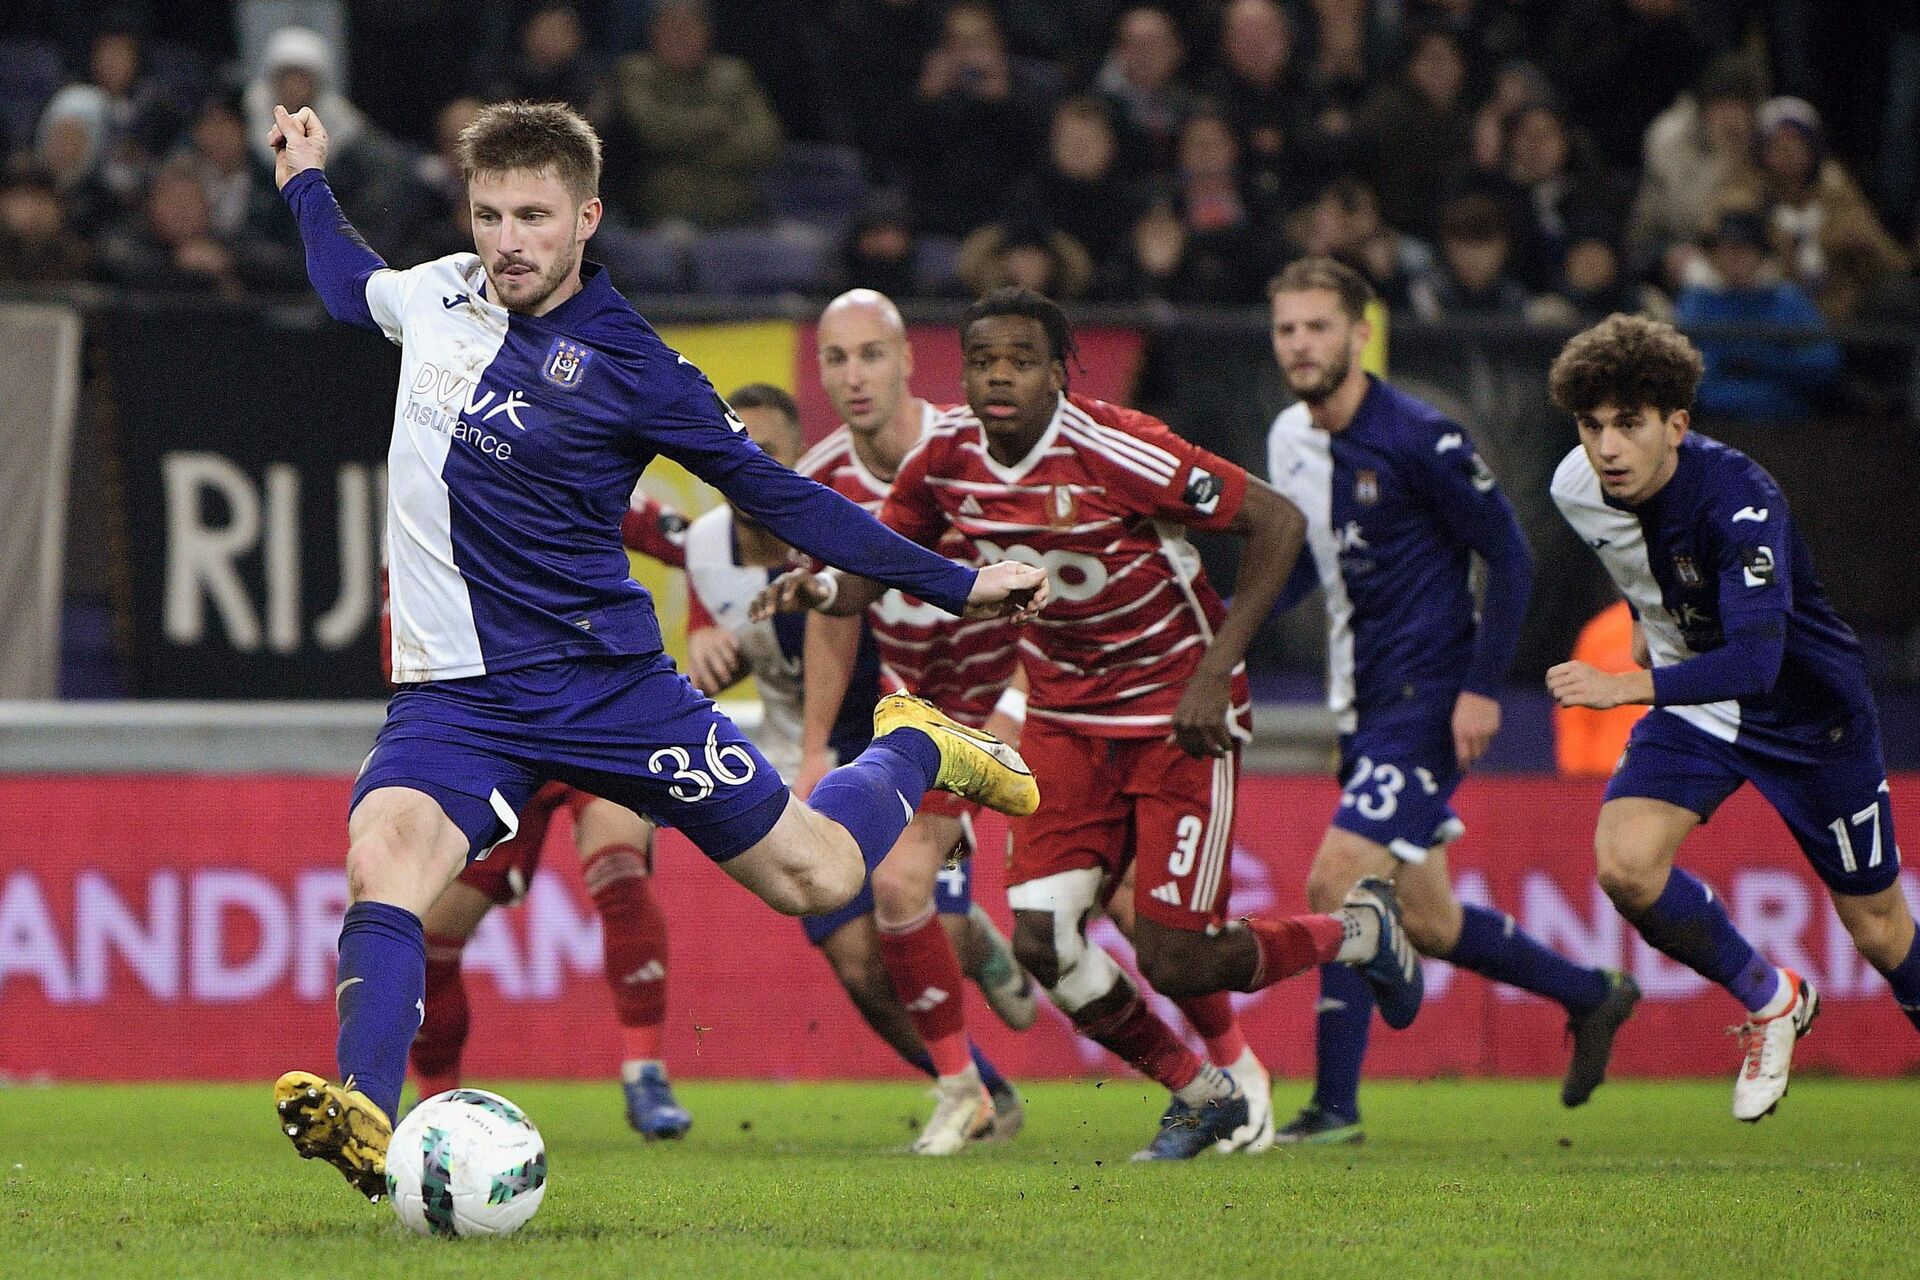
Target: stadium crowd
(1548,162)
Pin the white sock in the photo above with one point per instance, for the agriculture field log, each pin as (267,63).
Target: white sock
(1245,1067)
(970,1078)
(1782,999)
(1362,938)
(630,1069)
(1211,1083)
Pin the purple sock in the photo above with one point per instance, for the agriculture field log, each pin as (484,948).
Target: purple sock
(874,795)
(1688,923)
(1491,945)
(380,992)
(1904,978)
(1345,1016)
(989,1074)
(921,1061)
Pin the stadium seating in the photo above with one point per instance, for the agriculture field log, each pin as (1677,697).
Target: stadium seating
(30,71)
(788,258)
(817,183)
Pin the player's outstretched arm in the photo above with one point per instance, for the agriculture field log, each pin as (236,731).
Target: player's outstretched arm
(339,263)
(1275,531)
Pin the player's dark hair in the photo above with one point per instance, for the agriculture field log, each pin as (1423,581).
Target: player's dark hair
(509,137)
(1325,273)
(1036,307)
(764,395)
(1626,361)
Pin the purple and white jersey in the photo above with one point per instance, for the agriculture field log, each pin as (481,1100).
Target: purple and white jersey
(1745,646)
(517,441)
(1396,505)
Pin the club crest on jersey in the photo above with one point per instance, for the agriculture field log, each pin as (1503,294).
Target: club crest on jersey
(566,363)
(1685,570)
(1060,507)
(1366,488)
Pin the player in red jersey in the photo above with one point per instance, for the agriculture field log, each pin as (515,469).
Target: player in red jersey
(1138,698)
(964,667)
(616,856)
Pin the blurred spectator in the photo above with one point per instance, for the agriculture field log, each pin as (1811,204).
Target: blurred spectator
(1080,189)
(1621,63)
(1471,279)
(1755,378)
(70,145)
(1419,130)
(1175,263)
(1338,45)
(171,245)
(1545,182)
(1697,150)
(36,245)
(1831,241)
(241,199)
(437,219)
(881,250)
(367,169)
(1211,183)
(141,122)
(1255,84)
(979,124)
(1515,85)
(1593,284)
(1343,222)
(1142,76)
(553,64)
(703,128)
(1025,255)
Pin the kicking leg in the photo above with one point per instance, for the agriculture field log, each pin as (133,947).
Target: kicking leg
(1882,927)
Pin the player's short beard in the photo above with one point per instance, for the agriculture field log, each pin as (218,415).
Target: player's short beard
(549,281)
(1320,391)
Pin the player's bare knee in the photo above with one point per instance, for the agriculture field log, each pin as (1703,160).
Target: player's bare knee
(1326,885)
(373,863)
(1033,946)
(1630,879)
(1432,924)
(1880,925)
(817,886)
(898,894)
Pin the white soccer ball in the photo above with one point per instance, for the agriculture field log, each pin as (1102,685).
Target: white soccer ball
(466,1163)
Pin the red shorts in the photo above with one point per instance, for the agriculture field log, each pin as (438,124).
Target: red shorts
(505,874)
(1105,801)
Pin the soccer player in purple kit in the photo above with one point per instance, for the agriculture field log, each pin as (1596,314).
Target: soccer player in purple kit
(1397,502)
(531,398)
(1753,678)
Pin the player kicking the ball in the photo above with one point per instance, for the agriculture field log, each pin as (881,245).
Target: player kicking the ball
(1754,678)
(1138,701)
(531,398)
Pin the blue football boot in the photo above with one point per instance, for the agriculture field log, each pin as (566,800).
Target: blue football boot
(652,1109)
(1186,1131)
(1394,971)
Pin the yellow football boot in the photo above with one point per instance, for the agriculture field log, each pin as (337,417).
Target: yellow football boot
(337,1124)
(973,764)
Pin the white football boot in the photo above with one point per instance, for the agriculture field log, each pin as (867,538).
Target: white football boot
(962,1113)
(1768,1043)
(1256,1135)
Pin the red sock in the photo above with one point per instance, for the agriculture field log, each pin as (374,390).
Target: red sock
(1137,1036)
(1293,945)
(443,1031)
(1212,1016)
(635,933)
(926,977)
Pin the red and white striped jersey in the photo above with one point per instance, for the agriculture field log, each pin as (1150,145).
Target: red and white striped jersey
(1101,503)
(961,666)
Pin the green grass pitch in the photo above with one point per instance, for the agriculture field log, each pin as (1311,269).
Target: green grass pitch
(1456,1179)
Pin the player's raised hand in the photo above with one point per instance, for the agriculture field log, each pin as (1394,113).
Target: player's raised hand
(1008,589)
(299,141)
(795,591)
(1200,721)
(1476,719)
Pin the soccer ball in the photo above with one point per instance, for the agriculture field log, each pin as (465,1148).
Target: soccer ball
(466,1163)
